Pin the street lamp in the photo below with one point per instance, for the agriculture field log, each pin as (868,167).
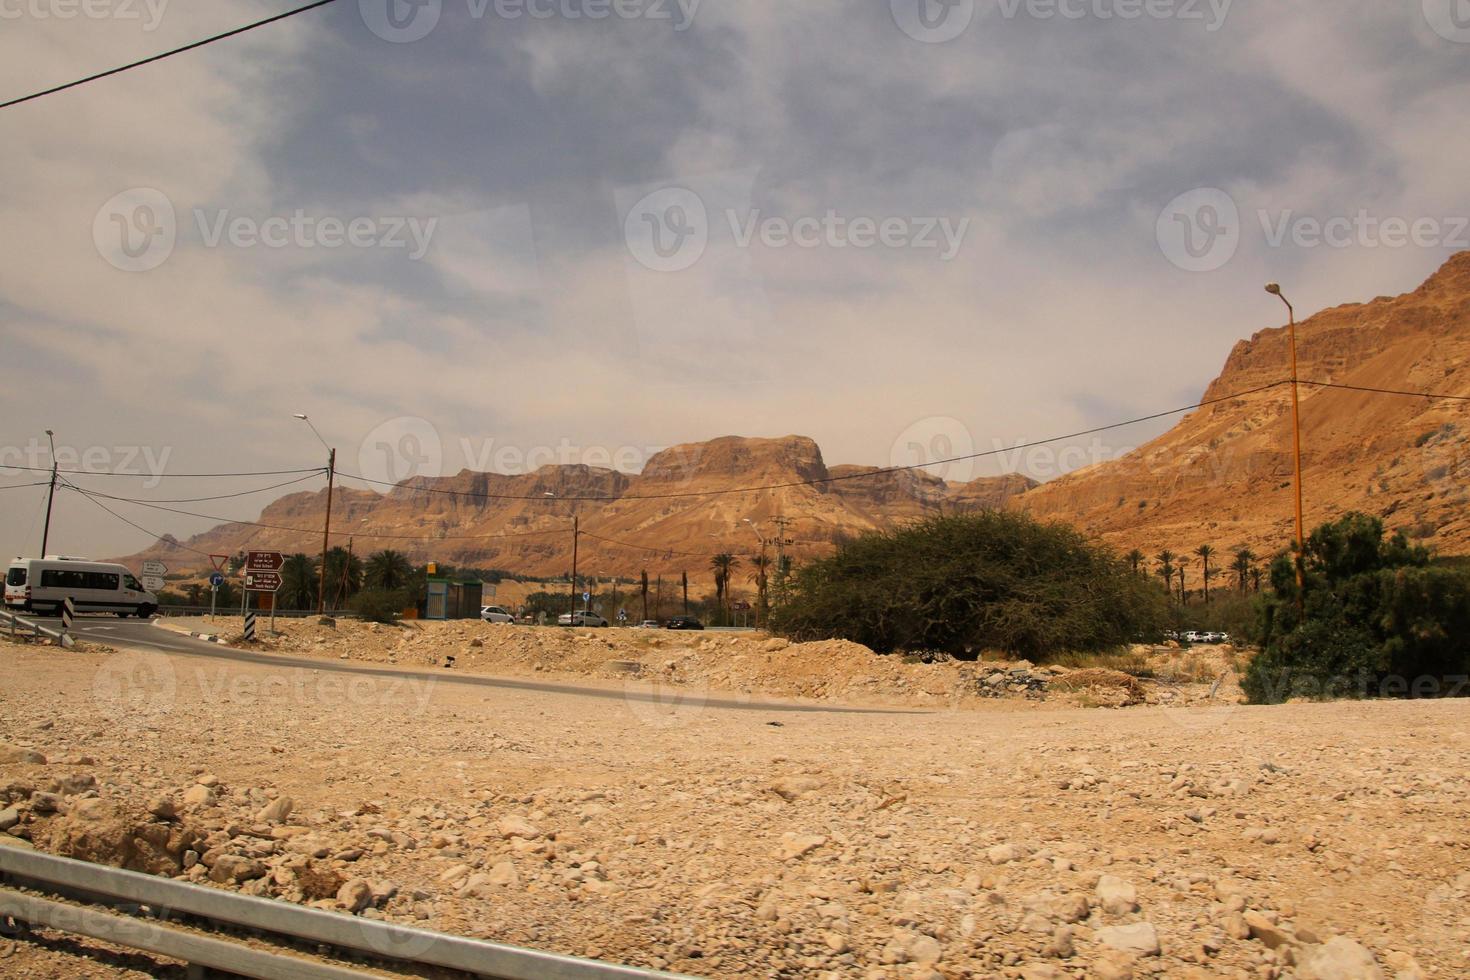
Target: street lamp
(321,584)
(1296,441)
(50,494)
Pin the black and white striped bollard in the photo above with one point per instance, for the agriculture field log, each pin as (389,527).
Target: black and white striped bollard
(68,614)
(250,627)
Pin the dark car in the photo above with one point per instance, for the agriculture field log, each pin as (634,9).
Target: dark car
(684,623)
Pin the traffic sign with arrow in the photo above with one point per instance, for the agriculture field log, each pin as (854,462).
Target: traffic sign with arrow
(262,581)
(154,568)
(264,561)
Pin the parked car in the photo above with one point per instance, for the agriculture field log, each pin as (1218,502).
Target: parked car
(684,623)
(496,614)
(580,619)
(1194,636)
(648,624)
(41,585)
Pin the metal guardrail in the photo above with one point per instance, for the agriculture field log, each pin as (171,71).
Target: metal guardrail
(11,621)
(224,612)
(144,904)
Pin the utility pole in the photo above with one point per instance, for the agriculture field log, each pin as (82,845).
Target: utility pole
(50,494)
(685,576)
(1296,441)
(576,533)
(321,585)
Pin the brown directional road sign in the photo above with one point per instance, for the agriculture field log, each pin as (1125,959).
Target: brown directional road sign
(262,581)
(264,561)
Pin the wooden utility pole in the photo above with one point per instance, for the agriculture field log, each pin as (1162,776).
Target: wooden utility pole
(576,534)
(321,584)
(1296,443)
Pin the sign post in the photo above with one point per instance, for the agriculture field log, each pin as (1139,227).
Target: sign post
(263,574)
(215,581)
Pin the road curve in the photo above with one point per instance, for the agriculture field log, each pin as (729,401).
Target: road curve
(137,634)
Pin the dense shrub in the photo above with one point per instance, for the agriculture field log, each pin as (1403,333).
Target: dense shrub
(965,584)
(1380,618)
(380,605)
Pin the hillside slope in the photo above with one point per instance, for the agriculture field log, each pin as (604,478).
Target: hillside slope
(1222,476)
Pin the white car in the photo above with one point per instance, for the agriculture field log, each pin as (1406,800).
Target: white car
(496,614)
(41,585)
(648,624)
(580,619)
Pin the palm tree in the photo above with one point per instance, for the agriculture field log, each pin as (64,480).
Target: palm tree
(643,587)
(1135,559)
(298,582)
(723,564)
(1256,579)
(1241,566)
(388,570)
(1183,595)
(344,575)
(1165,559)
(758,579)
(1205,553)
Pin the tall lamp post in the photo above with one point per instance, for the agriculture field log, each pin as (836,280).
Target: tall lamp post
(321,584)
(1296,441)
(50,494)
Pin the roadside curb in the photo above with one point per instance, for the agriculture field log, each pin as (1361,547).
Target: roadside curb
(207,637)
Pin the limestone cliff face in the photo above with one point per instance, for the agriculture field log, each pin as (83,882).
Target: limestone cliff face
(667,519)
(1222,476)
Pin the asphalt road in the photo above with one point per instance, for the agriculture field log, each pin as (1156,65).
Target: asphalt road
(142,634)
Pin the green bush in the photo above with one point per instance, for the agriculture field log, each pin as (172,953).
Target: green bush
(379,605)
(1380,619)
(966,584)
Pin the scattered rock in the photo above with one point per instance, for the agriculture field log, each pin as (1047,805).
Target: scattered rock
(1138,937)
(1339,958)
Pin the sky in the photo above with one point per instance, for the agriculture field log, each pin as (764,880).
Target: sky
(500,233)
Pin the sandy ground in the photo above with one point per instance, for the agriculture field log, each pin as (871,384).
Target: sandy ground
(999,838)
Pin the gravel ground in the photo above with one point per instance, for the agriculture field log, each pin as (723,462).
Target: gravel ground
(1001,838)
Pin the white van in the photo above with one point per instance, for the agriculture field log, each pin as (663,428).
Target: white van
(40,585)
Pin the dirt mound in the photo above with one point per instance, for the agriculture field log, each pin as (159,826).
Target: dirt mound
(1101,678)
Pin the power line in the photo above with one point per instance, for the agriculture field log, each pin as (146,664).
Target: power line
(1432,395)
(643,547)
(169,542)
(22,486)
(340,532)
(167,54)
(195,500)
(162,476)
(835,479)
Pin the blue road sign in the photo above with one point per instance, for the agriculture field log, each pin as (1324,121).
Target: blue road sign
(216,580)
(586,596)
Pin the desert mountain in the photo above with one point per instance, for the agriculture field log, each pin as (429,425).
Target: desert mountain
(1223,475)
(670,518)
